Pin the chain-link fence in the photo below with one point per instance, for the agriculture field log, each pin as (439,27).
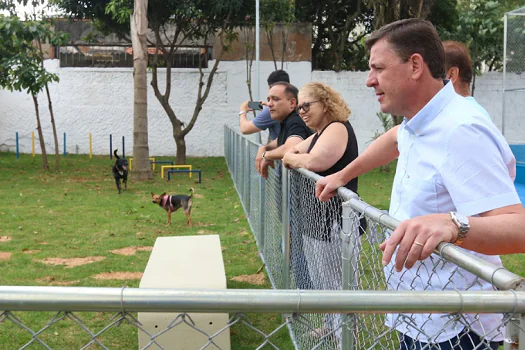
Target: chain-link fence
(105,318)
(331,290)
(307,244)
(513,116)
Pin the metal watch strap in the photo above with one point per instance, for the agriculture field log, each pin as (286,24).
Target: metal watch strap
(463,229)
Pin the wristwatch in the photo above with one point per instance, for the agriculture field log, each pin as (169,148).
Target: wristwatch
(463,225)
(262,156)
(242,112)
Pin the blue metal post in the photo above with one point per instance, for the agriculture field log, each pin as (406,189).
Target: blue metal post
(123,148)
(110,146)
(17,149)
(64,144)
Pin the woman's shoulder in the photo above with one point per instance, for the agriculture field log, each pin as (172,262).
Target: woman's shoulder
(335,127)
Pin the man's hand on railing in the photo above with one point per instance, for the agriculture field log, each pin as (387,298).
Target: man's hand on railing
(417,238)
(263,170)
(258,158)
(326,187)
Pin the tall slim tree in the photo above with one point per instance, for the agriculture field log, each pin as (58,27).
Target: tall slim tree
(139,30)
(174,24)
(21,66)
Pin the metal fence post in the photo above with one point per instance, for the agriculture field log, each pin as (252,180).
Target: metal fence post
(242,170)
(349,240)
(285,227)
(515,337)
(247,177)
(262,212)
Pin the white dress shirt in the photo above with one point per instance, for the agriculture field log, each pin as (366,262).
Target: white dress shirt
(451,158)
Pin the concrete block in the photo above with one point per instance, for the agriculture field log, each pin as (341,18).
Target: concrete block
(189,262)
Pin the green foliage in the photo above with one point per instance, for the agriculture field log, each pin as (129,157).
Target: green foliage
(480,27)
(276,11)
(339,28)
(387,122)
(20,60)
(120,10)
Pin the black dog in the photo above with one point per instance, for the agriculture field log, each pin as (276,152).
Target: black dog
(120,171)
(172,203)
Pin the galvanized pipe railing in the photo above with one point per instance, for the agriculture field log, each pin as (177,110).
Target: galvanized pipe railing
(20,298)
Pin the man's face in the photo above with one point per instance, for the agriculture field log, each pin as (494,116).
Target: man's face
(279,104)
(390,78)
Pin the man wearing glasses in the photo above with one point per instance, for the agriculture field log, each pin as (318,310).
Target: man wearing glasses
(282,102)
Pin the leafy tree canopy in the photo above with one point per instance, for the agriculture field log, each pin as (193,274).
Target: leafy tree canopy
(20,61)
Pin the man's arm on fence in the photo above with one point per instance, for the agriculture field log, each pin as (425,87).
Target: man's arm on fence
(382,151)
(498,231)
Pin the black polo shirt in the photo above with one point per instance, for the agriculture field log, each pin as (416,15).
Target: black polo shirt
(293,125)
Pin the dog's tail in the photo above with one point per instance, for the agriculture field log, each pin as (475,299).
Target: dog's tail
(192,190)
(115,153)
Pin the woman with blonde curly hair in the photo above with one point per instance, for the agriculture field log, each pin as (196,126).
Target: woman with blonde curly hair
(325,152)
(331,148)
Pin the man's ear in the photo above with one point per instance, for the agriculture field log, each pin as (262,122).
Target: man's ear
(453,74)
(417,65)
(293,103)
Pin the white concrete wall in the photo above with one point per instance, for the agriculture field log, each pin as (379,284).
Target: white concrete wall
(100,101)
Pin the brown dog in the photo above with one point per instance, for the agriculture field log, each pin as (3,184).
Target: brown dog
(172,203)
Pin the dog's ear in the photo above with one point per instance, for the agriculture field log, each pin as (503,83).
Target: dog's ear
(153,195)
(162,195)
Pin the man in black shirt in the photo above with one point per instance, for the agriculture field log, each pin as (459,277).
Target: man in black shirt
(282,101)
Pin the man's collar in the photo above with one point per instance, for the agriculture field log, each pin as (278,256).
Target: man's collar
(431,110)
(289,115)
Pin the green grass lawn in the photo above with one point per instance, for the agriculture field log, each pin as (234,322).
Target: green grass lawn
(78,214)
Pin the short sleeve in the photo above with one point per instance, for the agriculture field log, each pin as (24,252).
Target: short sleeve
(263,120)
(475,171)
(298,129)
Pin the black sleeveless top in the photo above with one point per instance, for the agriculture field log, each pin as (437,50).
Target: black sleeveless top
(323,232)
(351,153)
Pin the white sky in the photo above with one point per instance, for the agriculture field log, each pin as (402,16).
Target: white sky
(22,11)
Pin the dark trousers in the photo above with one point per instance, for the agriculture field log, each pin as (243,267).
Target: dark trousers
(464,341)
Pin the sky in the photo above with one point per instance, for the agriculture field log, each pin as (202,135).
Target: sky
(22,11)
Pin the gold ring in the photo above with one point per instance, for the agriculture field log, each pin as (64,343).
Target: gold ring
(419,244)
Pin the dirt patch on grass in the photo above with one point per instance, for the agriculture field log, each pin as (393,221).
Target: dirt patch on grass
(202,224)
(196,195)
(77,179)
(28,251)
(72,262)
(5,239)
(119,276)
(257,279)
(51,280)
(131,250)
(205,232)
(5,256)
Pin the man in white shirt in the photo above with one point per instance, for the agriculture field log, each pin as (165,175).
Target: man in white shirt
(453,183)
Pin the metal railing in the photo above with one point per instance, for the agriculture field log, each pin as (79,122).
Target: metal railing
(307,244)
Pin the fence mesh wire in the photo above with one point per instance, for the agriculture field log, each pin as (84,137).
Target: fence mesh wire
(315,263)
(513,79)
(306,245)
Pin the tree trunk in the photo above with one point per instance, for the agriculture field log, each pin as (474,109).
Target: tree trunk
(40,134)
(139,26)
(50,106)
(57,151)
(181,146)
